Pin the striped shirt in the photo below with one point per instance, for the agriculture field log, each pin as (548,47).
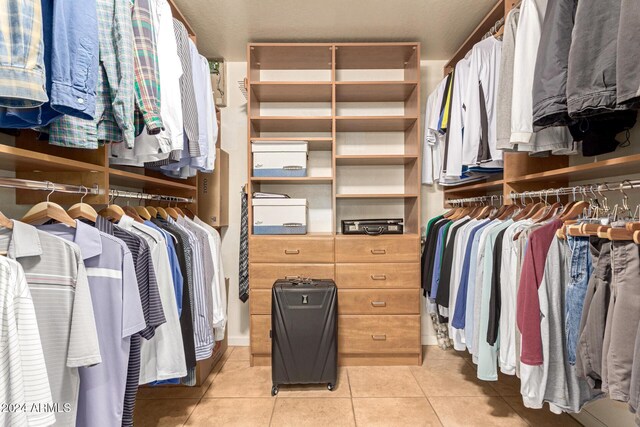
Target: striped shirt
(188,97)
(23,374)
(162,357)
(219,287)
(22,70)
(118,314)
(59,287)
(203,324)
(151,308)
(147,83)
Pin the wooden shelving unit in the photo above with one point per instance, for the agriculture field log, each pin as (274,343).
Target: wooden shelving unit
(366,91)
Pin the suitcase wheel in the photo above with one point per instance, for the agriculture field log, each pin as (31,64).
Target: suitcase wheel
(274,390)
(331,386)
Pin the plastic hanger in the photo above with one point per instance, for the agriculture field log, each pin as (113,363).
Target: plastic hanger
(82,210)
(46,211)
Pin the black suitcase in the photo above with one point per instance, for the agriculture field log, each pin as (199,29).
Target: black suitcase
(304,333)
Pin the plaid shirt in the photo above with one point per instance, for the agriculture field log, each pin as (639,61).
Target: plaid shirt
(22,71)
(147,83)
(115,91)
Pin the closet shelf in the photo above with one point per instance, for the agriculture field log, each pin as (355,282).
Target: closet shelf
(293,180)
(374,91)
(363,56)
(375,159)
(292,124)
(487,186)
(292,91)
(315,143)
(290,56)
(626,165)
(374,123)
(19,159)
(376,196)
(131,179)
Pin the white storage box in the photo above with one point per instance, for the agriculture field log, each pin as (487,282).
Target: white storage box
(279,158)
(279,216)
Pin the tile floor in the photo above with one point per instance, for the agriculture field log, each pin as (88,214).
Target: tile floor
(441,392)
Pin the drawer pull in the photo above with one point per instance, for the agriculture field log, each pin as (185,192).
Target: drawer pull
(378,277)
(292,277)
(378,303)
(378,251)
(379,337)
(292,251)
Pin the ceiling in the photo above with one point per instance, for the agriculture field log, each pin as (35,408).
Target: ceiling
(224,27)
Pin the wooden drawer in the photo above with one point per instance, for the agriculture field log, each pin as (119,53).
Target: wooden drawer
(379,334)
(378,275)
(260,300)
(260,341)
(378,301)
(291,249)
(377,249)
(262,276)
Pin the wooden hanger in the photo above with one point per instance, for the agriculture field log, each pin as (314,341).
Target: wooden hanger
(189,214)
(112,212)
(143,212)
(46,211)
(5,222)
(636,237)
(162,212)
(179,211)
(82,210)
(130,211)
(574,211)
(172,213)
(152,211)
(510,209)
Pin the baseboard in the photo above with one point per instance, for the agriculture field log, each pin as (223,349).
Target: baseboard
(241,341)
(429,340)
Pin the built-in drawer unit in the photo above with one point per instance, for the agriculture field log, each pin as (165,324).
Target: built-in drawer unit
(378,275)
(287,249)
(358,334)
(379,301)
(262,276)
(377,249)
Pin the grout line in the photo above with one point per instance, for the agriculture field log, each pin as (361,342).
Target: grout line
(516,412)
(353,408)
(273,410)
(434,411)
(424,393)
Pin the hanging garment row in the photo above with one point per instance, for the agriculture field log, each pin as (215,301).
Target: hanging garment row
(129,75)
(548,87)
(101,303)
(542,291)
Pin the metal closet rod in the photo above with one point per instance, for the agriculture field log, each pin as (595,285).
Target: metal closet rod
(26,184)
(580,189)
(479,199)
(144,196)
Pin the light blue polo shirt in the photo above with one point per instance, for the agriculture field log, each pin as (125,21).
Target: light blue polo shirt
(118,315)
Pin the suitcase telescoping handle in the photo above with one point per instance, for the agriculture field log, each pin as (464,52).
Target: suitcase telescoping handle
(381,337)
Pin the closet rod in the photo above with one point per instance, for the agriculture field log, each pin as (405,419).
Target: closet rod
(144,196)
(479,199)
(26,184)
(580,189)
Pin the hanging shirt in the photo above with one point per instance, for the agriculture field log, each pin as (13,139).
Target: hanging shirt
(528,311)
(147,75)
(219,290)
(60,69)
(432,145)
(119,315)
(484,73)
(147,147)
(455,131)
(58,282)
(162,356)
(24,376)
(206,113)
(113,120)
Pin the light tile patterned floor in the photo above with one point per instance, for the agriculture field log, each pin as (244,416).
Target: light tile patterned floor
(442,392)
